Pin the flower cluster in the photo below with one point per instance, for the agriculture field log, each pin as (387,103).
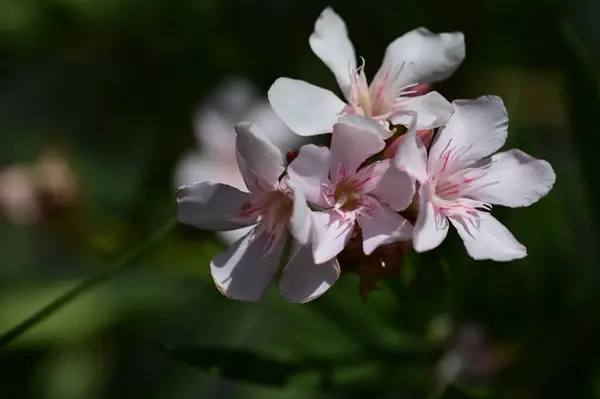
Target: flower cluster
(402,165)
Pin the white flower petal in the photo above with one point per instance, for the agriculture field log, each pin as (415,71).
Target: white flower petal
(383,226)
(330,42)
(424,135)
(224,107)
(330,234)
(307,109)
(231,236)
(514,178)
(352,144)
(244,271)
(431,226)
(197,166)
(260,162)
(303,280)
(394,187)
(425,57)
(366,124)
(431,110)
(212,206)
(310,170)
(213,130)
(411,156)
(261,113)
(491,240)
(299,224)
(477,128)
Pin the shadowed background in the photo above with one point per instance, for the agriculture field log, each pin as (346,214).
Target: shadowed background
(98,105)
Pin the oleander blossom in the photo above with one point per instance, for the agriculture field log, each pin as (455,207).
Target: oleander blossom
(417,57)
(274,206)
(234,100)
(333,179)
(459,180)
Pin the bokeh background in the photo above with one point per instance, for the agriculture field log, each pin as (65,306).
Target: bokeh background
(106,104)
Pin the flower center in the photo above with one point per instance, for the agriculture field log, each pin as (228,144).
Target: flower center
(450,187)
(383,97)
(273,209)
(270,206)
(346,198)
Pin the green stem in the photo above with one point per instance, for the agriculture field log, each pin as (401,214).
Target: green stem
(106,274)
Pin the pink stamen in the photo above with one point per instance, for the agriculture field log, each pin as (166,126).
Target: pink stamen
(444,188)
(382,84)
(451,192)
(457,206)
(250,211)
(446,160)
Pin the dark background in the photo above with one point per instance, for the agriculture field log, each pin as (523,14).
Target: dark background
(111,86)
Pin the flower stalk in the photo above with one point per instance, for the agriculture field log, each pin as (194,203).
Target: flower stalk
(91,282)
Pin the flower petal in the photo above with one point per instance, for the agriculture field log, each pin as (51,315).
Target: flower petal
(366,124)
(411,156)
(260,162)
(303,280)
(431,110)
(231,236)
(212,206)
(383,226)
(244,270)
(426,57)
(310,170)
(424,135)
(197,166)
(514,178)
(477,129)
(307,109)
(352,144)
(330,42)
(299,224)
(394,187)
(278,133)
(431,226)
(330,234)
(490,240)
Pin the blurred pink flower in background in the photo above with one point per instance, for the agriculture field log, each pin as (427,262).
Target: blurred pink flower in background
(213,158)
(28,191)
(470,357)
(18,196)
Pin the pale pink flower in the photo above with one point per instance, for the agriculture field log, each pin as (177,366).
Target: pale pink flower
(460,180)
(273,207)
(419,56)
(233,101)
(19,195)
(29,191)
(334,180)
(470,358)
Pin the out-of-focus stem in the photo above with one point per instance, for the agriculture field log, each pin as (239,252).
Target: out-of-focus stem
(106,274)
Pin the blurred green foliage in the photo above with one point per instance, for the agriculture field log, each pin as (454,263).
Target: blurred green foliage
(114,84)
